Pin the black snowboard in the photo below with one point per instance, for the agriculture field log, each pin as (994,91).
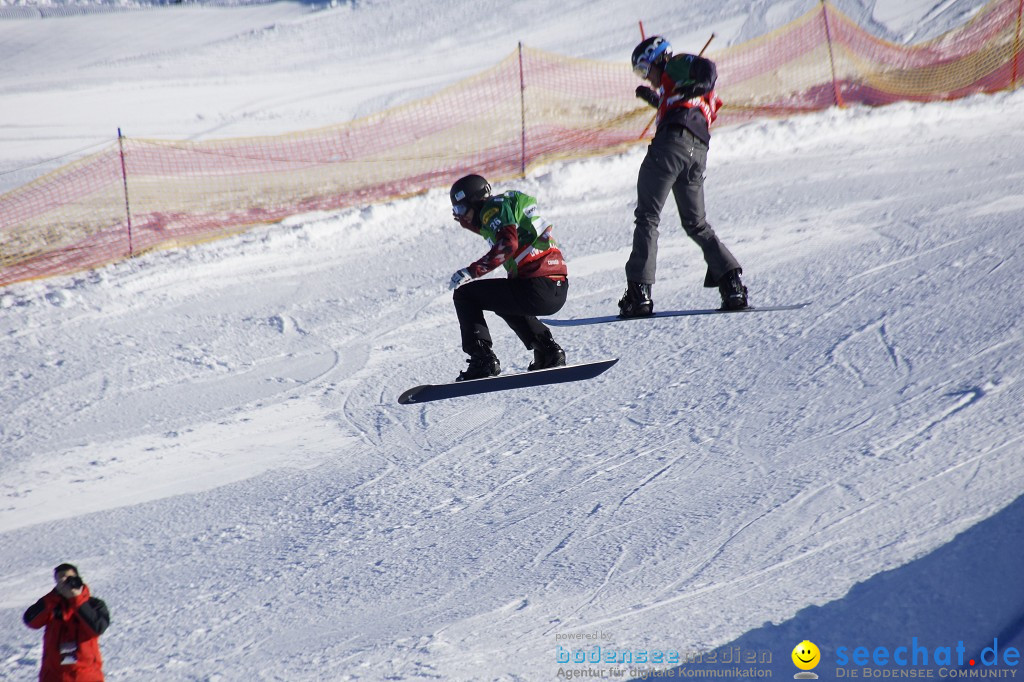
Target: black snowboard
(672,313)
(504,382)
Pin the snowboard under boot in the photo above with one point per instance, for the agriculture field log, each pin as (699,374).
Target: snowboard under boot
(483,363)
(636,302)
(734,294)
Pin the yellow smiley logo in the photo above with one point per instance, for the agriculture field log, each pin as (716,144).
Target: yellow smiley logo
(806,655)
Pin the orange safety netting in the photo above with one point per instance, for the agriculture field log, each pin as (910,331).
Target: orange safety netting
(532,108)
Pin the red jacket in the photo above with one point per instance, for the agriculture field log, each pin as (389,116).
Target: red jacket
(71,648)
(527,261)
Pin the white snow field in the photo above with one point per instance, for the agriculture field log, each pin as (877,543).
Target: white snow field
(212,434)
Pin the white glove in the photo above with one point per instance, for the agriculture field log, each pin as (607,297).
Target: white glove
(460,278)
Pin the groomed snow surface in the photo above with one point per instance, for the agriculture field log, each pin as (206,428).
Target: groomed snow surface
(212,434)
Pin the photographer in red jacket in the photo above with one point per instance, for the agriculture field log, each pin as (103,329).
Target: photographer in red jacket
(74,620)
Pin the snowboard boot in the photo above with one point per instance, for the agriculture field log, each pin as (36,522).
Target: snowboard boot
(546,353)
(483,363)
(734,294)
(636,302)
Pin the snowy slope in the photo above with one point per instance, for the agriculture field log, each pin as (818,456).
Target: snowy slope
(212,434)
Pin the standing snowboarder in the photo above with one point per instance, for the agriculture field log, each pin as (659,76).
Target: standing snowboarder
(537,281)
(685,98)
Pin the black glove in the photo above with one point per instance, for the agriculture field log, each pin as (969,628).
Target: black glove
(687,91)
(648,95)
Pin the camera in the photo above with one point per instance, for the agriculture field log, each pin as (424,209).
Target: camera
(74,582)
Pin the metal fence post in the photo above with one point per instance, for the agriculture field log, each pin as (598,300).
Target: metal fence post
(127,206)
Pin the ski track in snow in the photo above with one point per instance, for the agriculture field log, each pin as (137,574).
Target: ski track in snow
(212,433)
(726,460)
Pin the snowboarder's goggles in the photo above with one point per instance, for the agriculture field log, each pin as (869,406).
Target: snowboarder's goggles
(459,210)
(642,68)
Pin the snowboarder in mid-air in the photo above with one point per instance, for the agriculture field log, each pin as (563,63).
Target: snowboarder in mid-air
(537,281)
(684,96)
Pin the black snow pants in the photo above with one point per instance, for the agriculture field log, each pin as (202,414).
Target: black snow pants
(517,301)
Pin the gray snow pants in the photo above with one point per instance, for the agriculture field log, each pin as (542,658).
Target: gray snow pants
(675,161)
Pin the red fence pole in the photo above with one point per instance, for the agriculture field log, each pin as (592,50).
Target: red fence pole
(522,111)
(831,59)
(127,206)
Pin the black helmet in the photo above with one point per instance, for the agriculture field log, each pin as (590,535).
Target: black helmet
(650,51)
(468,192)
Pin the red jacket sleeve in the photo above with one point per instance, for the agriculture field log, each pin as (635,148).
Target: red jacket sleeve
(94,613)
(507,243)
(40,613)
